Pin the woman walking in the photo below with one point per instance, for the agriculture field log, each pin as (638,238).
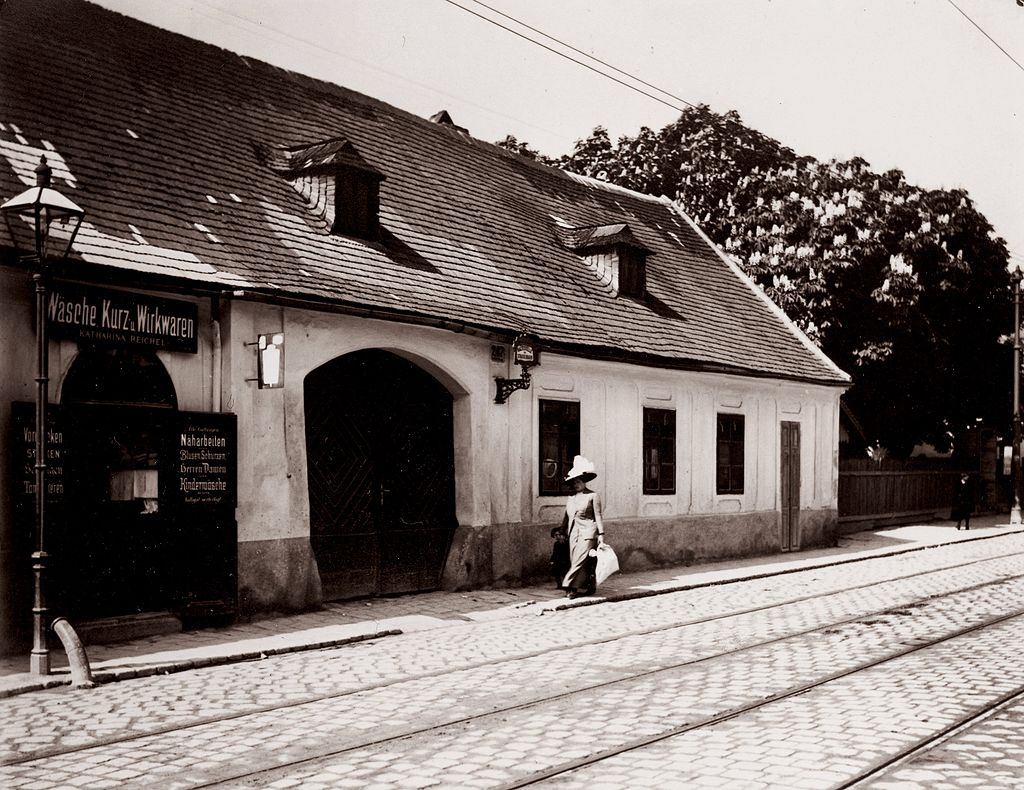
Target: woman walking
(585,524)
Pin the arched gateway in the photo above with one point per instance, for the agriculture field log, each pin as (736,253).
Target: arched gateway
(381,471)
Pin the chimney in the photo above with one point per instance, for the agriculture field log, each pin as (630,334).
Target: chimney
(442,117)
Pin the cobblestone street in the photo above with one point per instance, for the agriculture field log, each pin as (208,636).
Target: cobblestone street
(807,679)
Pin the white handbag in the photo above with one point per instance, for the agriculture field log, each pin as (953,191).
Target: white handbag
(607,562)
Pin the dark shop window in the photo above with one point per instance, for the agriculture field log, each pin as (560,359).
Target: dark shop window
(559,443)
(730,454)
(659,451)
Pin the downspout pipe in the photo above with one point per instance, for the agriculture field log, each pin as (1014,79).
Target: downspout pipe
(217,352)
(81,674)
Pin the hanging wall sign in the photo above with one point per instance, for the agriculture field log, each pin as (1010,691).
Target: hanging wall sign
(207,459)
(120,318)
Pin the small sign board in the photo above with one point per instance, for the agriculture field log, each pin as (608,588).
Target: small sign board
(23,447)
(207,459)
(100,316)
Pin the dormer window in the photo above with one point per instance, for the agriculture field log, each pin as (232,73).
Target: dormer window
(632,270)
(340,186)
(357,204)
(612,251)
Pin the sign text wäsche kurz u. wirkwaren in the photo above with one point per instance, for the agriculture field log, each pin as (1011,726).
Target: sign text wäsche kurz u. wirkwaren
(121,318)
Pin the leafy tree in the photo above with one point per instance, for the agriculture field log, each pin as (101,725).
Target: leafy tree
(903,287)
(510,143)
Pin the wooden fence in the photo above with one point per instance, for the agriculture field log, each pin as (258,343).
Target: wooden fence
(886,497)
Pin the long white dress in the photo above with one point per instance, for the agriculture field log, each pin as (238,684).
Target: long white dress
(583,514)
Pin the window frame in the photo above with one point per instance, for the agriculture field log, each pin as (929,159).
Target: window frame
(561,487)
(733,444)
(658,440)
(632,271)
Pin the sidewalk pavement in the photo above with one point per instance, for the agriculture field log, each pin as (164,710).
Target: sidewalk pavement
(352,621)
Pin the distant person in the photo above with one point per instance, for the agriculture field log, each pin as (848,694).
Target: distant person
(560,556)
(585,525)
(963,501)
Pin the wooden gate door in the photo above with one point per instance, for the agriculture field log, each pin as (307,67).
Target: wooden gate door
(790,486)
(381,470)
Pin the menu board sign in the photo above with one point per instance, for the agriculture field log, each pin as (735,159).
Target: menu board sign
(207,460)
(121,318)
(23,445)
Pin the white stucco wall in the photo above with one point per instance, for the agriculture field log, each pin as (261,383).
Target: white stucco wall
(273,492)
(612,397)
(497,446)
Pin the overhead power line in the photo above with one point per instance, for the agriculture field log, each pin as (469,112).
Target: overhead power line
(584,54)
(986,35)
(574,60)
(730,121)
(263,29)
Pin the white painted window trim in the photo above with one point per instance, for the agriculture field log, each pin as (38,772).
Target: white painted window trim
(719,498)
(663,405)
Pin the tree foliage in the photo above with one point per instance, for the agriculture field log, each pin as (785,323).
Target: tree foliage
(905,288)
(510,143)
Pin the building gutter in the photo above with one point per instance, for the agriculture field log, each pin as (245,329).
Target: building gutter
(216,362)
(505,335)
(78,271)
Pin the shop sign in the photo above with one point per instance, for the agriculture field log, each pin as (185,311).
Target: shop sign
(23,446)
(204,467)
(120,318)
(207,459)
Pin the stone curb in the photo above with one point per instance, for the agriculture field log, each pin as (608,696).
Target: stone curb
(127,673)
(633,595)
(108,676)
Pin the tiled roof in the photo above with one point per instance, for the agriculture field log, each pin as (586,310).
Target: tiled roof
(160,137)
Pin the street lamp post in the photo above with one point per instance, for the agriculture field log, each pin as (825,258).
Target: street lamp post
(1015,279)
(52,219)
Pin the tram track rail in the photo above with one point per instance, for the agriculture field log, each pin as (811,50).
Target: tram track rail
(934,740)
(894,609)
(921,745)
(640,743)
(323,755)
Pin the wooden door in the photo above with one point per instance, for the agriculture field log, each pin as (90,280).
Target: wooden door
(117,545)
(790,486)
(381,470)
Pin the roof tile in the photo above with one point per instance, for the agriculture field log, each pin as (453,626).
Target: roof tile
(146,124)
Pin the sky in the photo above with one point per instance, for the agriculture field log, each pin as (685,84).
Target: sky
(902,83)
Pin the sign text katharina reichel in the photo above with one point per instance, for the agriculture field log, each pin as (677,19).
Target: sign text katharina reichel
(121,318)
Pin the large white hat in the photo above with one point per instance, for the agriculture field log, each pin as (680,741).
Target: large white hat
(581,467)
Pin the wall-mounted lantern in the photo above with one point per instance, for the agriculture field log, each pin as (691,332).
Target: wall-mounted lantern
(524,351)
(525,354)
(269,361)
